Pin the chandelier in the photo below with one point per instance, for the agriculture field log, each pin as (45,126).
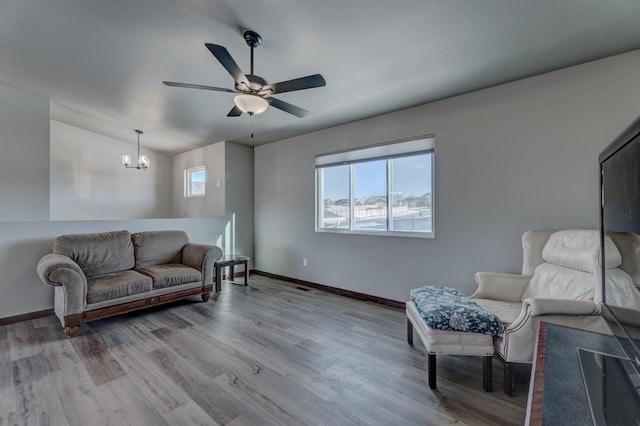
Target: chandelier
(143,160)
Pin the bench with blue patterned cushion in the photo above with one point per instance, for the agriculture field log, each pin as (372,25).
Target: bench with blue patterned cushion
(444,308)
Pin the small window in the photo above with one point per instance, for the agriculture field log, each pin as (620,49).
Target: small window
(383,189)
(195,181)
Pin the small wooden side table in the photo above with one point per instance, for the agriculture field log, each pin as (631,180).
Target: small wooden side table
(230,261)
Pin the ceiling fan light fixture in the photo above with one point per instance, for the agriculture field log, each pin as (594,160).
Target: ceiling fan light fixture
(251,104)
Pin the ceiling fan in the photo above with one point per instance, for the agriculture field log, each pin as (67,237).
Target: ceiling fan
(254,93)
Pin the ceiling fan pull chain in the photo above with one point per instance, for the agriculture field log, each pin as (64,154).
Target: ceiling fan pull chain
(252,127)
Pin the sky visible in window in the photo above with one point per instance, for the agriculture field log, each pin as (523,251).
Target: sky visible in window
(411,176)
(198,176)
(336,182)
(370,179)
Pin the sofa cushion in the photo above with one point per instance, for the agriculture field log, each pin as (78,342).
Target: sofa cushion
(171,274)
(580,249)
(117,284)
(97,254)
(158,247)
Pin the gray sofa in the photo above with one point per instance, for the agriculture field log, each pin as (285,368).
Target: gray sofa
(100,275)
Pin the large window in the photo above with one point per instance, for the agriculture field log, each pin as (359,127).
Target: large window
(382,189)
(195,182)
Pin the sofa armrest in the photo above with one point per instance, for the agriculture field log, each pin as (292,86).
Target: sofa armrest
(59,270)
(499,286)
(201,257)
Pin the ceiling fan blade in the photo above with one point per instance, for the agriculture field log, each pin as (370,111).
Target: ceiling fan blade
(222,55)
(235,112)
(198,86)
(287,107)
(301,83)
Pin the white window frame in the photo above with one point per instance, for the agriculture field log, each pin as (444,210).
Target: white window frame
(388,151)
(188,181)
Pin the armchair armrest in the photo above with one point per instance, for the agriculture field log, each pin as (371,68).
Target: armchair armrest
(59,270)
(500,286)
(539,306)
(517,344)
(543,306)
(201,257)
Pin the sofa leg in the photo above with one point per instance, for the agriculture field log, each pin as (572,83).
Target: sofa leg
(431,370)
(409,332)
(509,380)
(205,297)
(487,373)
(72,331)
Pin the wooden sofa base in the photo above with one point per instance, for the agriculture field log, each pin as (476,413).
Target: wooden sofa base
(72,322)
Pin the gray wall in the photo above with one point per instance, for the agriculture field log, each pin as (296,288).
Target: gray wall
(24,164)
(89,182)
(212,204)
(238,185)
(509,158)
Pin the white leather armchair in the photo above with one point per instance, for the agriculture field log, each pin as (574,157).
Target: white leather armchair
(560,283)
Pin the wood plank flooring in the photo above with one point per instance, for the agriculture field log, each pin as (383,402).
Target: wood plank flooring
(267,354)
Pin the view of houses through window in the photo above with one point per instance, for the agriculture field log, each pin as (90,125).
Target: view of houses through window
(393,194)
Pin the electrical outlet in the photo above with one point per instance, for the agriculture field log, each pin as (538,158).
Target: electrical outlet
(304,261)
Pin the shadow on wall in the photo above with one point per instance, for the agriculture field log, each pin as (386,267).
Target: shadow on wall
(227,239)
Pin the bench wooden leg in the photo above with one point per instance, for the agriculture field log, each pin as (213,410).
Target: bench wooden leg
(509,380)
(409,332)
(487,373)
(431,370)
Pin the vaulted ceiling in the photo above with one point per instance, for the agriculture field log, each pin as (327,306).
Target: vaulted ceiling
(102,63)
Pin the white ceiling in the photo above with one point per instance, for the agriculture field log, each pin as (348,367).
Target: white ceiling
(101,62)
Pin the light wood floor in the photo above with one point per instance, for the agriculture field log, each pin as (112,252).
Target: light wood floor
(267,354)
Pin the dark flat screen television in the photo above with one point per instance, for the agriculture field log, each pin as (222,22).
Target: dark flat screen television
(613,382)
(620,212)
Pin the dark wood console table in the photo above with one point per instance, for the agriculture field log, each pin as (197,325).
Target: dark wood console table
(557,394)
(230,261)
